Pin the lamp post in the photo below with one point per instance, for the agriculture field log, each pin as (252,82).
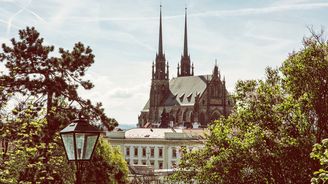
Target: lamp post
(79,139)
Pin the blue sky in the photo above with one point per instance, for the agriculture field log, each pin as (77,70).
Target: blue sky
(244,36)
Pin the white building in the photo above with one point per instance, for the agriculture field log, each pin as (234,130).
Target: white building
(158,147)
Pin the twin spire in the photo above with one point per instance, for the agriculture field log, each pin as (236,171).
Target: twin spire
(160,42)
(185,46)
(185,58)
(161,71)
(185,69)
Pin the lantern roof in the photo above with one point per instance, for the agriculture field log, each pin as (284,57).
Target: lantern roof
(80,126)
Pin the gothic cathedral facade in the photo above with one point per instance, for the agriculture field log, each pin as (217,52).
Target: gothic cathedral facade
(185,100)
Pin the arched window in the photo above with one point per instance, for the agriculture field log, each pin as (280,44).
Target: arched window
(177,116)
(184,117)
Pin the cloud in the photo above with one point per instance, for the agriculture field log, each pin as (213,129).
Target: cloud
(10,20)
(125,93)
(263,10)
(122,100)
(281,7)
(36,15)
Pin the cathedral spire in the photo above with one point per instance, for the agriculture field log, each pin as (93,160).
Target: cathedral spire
(185,47)
(160,42)
(185,58)
(216,69)
(161,71)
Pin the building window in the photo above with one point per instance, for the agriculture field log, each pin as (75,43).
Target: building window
(127,153)
(144,152)
(160,165)
(135,162)
(152,150)
(127,161)
(152,162)
(144,162)
(135,151)
(160,152)
(174,153)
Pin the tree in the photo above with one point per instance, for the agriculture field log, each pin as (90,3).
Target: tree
(306,79)
(319,152)
(46,81)
(106,166)
(51,80)
(22,162)
(267,139)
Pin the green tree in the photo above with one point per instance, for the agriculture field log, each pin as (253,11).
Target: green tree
(306,79)
(22,163)
(267,139)
(320,152)
(48,82)
(107,165)
(32,73)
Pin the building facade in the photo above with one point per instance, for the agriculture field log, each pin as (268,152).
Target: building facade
(186,99)
(160,148)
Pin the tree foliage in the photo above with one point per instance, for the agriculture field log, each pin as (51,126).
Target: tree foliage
(23,163)
(267,139)
(32,72)
(106,166)
(39,79)
(320,152)
(270,134)
(306,79)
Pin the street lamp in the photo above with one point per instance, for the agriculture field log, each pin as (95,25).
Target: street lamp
(79,139)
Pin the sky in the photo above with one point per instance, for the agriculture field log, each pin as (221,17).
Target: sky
(244,36)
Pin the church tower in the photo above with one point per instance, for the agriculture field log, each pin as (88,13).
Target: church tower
(160,79)
(184,68)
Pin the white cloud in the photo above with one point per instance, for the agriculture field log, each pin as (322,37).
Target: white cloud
(263,10)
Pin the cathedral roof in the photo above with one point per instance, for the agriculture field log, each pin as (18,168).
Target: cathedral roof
(183,90)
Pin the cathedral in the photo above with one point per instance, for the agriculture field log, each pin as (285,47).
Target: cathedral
(186,100)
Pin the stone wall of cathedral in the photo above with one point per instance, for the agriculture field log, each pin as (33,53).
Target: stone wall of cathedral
(211,105)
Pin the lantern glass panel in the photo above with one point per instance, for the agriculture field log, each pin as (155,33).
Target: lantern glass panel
(85,143)
(69,145)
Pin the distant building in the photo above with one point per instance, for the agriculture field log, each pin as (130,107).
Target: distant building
(185,99)
(157,147)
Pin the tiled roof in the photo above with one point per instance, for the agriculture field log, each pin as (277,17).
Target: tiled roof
(183,90)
